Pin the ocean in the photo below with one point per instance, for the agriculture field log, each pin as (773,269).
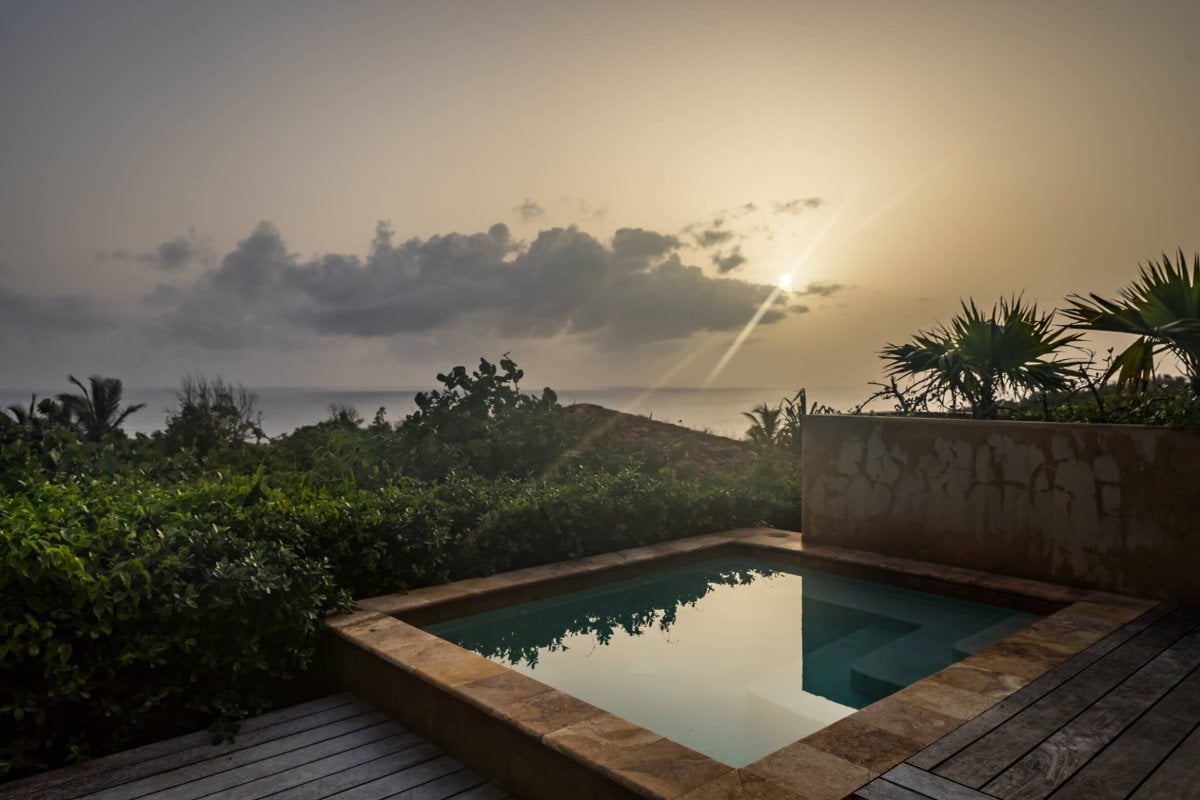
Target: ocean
(717,411)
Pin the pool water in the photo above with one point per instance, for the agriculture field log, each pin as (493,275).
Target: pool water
(734,657)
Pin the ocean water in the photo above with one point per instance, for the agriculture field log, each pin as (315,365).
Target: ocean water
(717,411)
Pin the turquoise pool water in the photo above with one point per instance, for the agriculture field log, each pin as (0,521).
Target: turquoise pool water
(734,657)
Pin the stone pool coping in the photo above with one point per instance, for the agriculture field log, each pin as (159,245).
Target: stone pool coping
(540,742)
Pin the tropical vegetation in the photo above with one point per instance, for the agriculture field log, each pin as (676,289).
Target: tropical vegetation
(981,358)
(152,585)
(1161,308)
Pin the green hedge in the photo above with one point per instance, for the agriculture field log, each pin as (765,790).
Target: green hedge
(131,607)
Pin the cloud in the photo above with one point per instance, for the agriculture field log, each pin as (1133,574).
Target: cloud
(728,263)
(797,205)
(171,255)
(529,210)
(711,237)
(587,211)
(566,282)
(821,289)
(639,243)
(39,314)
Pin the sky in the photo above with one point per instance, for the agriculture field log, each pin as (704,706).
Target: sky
(363,194)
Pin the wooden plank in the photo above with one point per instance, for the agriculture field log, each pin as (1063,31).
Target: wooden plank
(447,786)
(880,789)
(397,782)
(994,752)
(1060,756)
(1141,748)
(236,757)
(278,775)
(1175,778)
(918,780)
(219,782)
(157,756)
(950,744)
(362,774)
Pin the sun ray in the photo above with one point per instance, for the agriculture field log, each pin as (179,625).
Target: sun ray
(779,289)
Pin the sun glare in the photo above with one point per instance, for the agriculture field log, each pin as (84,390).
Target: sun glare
(784,282)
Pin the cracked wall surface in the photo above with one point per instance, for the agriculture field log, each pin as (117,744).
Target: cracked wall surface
(1107,506)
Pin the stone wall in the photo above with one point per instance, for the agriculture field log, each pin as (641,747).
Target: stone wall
(1112,507)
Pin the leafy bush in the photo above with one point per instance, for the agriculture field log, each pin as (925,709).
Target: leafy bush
(483,423)
(127,608)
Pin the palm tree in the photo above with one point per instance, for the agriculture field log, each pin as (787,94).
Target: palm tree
(980,358)
(1161,308)
(97,408)
(39,416)
(766,426)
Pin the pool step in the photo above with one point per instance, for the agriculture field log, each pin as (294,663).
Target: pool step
(970,645)
(825,671)
(900,662)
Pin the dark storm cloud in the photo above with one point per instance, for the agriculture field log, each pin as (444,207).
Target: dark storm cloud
(641,244)
(565,282)
(529,209)
(821,289)
(52,313)
(798,205)
(728,263)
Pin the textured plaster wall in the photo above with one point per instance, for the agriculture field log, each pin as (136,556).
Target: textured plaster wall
(1106,506)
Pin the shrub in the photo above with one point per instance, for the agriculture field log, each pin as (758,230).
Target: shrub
(130,610)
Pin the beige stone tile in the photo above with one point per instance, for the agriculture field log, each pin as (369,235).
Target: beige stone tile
(1025,658)
(396,641)
(1140,604)
(501,691)
(987,682)
(603,741)
(1063,635)
(945,699)
(391,604)
(1115,613)
(922,725)
(666,769)
(546,712)
(859,742)
(447,665)
(736,785)
(348,623)
(812,773)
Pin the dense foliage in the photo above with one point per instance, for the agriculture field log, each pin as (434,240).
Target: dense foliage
(978,357)
(151,585)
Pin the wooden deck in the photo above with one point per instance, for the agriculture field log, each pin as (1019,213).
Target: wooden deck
(337,746)
(1119,720)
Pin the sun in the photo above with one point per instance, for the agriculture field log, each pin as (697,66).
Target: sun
(784,282)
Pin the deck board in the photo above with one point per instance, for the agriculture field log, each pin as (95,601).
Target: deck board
(1121,723)
(334,746)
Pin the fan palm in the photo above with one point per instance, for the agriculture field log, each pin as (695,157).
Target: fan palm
(981,357)
(97,408)
(766,424)
(1161,308)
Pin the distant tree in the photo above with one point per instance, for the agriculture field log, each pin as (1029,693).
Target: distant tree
(766,424)
(1161,308)
(980,357)
(210,413)
(39,417)
(96,410)
(341,416)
